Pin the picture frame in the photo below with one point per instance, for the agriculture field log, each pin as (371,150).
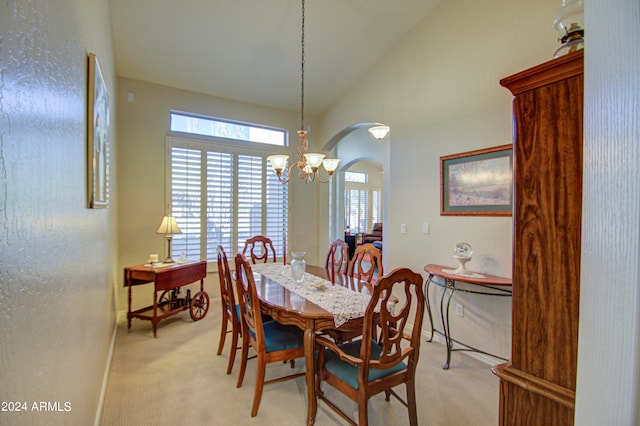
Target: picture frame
(477,183)
(97,136)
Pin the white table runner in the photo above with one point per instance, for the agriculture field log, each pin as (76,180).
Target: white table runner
(344,304)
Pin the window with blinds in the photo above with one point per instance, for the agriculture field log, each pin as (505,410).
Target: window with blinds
(376,207)
(356,209)
(222,195)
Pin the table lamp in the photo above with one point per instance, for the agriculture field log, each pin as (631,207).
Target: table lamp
(168,227)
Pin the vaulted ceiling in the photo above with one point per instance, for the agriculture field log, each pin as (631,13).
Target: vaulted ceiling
(249,50)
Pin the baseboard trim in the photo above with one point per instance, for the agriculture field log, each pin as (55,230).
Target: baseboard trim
(105,377)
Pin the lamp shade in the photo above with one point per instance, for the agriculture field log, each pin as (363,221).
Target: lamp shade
(313,159)
(379,132)
(330,164)
(169,226)
(278,162)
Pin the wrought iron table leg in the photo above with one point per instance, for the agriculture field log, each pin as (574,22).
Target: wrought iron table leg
(426,298)
(445,319)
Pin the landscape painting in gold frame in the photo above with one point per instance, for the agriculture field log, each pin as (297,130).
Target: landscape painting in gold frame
(97,137)
(477,183)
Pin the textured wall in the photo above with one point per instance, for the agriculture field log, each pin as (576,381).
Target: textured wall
(608,371)
(56,301)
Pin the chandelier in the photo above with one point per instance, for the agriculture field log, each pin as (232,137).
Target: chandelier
(308,163)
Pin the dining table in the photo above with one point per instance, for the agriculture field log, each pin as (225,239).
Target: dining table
(313,307)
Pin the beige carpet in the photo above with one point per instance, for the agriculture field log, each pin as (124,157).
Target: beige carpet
(177,379)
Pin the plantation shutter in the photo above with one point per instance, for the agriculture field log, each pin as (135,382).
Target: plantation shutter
(219,202)
(250,184)
(356,202)
(186,184)
(277,214)
(363,208)
(223,196)
(376,210)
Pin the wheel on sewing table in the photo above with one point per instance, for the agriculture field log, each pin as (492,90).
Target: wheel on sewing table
(167,298)
(199,305)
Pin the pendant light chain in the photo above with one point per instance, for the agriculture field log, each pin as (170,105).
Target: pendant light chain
(302,73)
(308,164)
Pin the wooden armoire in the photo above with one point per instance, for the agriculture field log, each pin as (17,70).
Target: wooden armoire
(538,383)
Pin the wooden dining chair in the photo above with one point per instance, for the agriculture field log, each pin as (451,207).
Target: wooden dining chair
(366,264)
(363,270)
(230,310)
(337,260)
(272,341)
(366,367)
(259,248)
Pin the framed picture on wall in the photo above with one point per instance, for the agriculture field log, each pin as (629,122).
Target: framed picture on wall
(97,137)
(477,183)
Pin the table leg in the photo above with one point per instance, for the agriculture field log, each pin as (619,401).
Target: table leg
(129,310)
(309,346)
(154,321)
(445,319)
(426,300)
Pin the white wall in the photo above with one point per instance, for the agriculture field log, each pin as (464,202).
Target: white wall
(57,272)
(608,373)
(439,91)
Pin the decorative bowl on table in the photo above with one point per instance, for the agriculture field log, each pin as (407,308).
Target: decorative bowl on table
(462,253)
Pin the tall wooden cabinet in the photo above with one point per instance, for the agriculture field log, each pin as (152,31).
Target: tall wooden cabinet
(537,385)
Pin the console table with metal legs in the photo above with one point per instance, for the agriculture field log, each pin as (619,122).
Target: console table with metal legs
(489,285)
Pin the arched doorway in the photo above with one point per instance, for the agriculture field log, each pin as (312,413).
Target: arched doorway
(359,152)
(363,195)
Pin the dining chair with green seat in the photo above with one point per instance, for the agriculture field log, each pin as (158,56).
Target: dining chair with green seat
(337,260)
(366,264)
(230,310)
(259,248)
(272,341)
(366,367)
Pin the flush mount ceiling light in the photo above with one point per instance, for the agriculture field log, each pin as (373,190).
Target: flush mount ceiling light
(379,132)
(308,163)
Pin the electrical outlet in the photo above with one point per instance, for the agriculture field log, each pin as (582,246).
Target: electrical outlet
(459,310)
